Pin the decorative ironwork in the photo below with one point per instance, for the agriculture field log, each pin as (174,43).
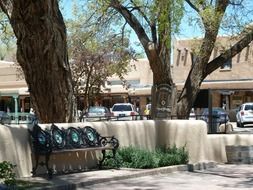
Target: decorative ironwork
(41,140)
(73,138)
(58,137)
(47,142)
(90,136)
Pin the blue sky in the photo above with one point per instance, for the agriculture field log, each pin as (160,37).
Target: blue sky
(187,29)
(189,33)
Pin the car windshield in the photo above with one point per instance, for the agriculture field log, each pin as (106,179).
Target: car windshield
(122,108)
(96,110)
(248,107)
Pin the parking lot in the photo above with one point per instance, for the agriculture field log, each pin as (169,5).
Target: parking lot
(248,129)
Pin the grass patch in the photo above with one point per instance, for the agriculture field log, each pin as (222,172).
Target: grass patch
(132,157)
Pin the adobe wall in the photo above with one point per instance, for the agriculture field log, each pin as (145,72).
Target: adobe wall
(148,134)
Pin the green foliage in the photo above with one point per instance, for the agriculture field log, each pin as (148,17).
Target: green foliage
(131,157)
(7,39)
(6,173)
(96,51)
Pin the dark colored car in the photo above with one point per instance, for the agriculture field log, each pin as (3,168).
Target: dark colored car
(4,118)
(98,113)
(219,115)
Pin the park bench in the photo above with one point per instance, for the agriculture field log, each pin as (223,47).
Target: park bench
(55,140)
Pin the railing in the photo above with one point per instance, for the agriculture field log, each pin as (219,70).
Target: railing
(22,118)
(116,118)
(213,121)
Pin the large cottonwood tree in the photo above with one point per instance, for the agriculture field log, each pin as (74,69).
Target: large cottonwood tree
(42,54)
(155,21)
(211,14)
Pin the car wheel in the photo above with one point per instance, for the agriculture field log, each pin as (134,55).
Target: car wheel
(238,124)
(242,125)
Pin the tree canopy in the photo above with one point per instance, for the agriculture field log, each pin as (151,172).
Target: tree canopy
(96,53)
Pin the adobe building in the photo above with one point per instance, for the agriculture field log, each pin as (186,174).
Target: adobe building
(230,85)
(137,89)
(14,95)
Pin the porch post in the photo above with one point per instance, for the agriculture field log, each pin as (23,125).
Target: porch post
(16,107)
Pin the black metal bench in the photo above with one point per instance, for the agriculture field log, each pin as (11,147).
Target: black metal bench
(55,140)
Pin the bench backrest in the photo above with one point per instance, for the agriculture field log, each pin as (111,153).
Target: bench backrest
(48,140)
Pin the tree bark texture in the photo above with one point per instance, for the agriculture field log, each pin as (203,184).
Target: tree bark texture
(42,54)
(157,51)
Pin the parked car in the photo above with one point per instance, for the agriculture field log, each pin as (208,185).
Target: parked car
(219,115)
(124,111)
(96,113)
(245,114)
(4,118)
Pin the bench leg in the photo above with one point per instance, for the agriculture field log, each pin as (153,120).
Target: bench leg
(49,170)
(103,158)
(36,164)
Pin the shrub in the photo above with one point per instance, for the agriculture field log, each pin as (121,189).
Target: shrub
(6,173)
(131,157)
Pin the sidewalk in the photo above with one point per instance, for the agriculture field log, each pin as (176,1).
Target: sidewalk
(75,180)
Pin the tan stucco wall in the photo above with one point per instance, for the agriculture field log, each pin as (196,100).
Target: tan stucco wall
(217,144)
(148,134)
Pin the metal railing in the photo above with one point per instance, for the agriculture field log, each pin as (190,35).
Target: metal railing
(213,121)
(22,118)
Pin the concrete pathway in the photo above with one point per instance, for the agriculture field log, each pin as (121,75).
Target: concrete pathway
(203,176)
(222,177)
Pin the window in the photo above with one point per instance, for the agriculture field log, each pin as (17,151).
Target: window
(114,82)
(186,54)
(133,82)
(178,56)
(247,53)
(227,65)
(238,57)
(119,82)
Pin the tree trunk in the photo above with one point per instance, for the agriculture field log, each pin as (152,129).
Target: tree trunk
(161,75)
(195,76)
(198,71)
(42,54)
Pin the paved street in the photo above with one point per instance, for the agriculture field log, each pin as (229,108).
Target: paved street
(247,129)
(221,177)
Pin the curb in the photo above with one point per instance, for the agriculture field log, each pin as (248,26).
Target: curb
(135,174)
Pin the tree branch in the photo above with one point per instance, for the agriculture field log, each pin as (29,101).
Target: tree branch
(5,9)
(228,54)
(236,4)
(151,24)
(132,21)
(192,5)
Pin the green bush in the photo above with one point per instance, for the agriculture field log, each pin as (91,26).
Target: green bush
(6,173)
(131,157)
